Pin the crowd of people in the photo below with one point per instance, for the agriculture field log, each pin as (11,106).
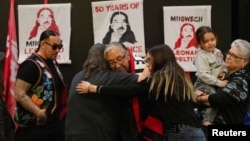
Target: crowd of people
(113,98)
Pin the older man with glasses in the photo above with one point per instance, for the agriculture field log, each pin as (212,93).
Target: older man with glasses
(102,118)
(40,93)
(120,58)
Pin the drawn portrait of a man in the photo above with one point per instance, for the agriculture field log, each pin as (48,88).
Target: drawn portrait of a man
(119,29)
(45,20)
(187,37)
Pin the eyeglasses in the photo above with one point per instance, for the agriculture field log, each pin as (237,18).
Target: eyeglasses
(233,56)
(118,60)
(55,46)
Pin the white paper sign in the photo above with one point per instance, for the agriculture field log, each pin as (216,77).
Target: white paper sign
(180,25)
(34,19)
(120,21)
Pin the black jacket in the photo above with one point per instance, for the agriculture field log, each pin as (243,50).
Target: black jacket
(95,117)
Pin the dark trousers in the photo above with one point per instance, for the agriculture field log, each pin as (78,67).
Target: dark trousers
(51,131)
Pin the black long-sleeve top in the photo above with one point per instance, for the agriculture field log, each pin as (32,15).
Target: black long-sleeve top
(232,99)
(170,112)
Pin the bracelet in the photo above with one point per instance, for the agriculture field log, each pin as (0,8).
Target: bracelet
(98,89)
(89,88)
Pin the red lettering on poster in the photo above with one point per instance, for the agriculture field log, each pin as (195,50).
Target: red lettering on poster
(134,5)
(99,9)
(185,52)
(29,50)
(137,48)
(184,59)
(117,7)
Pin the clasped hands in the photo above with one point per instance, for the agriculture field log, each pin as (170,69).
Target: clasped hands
(198,94)
(83,87)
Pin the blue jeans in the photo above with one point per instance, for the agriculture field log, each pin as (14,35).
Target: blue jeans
(187,134)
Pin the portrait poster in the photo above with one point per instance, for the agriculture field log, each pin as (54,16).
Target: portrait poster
(180,25)
(120,21)
(34,19)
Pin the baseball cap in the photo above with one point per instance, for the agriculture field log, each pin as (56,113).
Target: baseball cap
(2,55)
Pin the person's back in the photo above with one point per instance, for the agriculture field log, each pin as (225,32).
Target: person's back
(98,117)
(171,94)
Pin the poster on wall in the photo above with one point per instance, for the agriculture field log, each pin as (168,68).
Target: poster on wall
(34,19)
(120,21)
(180,25)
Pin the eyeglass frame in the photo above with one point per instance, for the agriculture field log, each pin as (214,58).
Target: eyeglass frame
(117,60)
(233,55)
(54,46)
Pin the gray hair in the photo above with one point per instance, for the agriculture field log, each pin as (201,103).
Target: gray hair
(243,46)
(114,45)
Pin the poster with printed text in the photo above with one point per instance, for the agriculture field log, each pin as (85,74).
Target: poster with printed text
(120,21)
(180,25)
(34,19)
